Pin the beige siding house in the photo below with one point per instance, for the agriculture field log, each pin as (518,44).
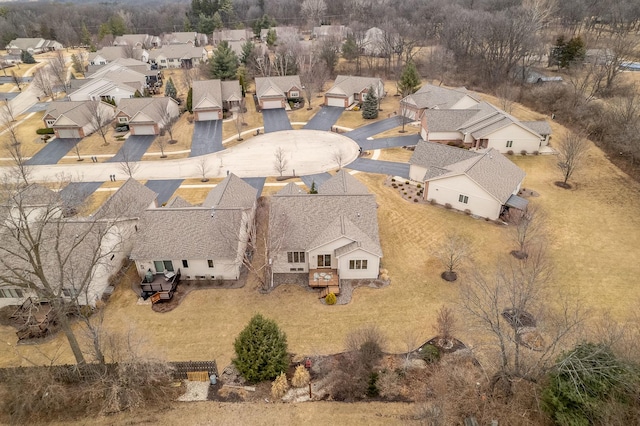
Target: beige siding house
(331,236)
(436,97)
(483,183)
(212,97)
(146,116)
(73,120)
(198,242)
(273,92)
(348,89)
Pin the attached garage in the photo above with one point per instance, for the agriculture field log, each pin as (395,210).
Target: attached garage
(207,115)
(143,129)
(336,102)
(68,133)
(272,104)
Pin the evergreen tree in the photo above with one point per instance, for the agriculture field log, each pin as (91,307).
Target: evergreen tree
(224,64)
(313,189)
(263,23)
(370,105)
(170,89)
(271,37)
(190,100)
(242,79)
(217,21)
(261,350)
(565,52)
(27,57)
(350,48)
(85,36)
(78,66)
(409,80)
(247,51)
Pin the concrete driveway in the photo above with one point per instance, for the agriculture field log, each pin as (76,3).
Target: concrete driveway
(372,129)
(164,188)
(76,192)
(382,143)
(207,137)
(52,152)
(318,178)
(325,118)
(256,182)
(133,148)
(382,167)
(275,120)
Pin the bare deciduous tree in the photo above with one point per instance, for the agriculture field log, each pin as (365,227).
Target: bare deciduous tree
(571,153)
(527,229)
(313,75)
(203,168)
(507,95)
(128,165)
(59,71)
(7,115)
(280,163)
(452,252)
(338,157)
(239,120)
(43,81)
(99,115)
(16,80)
(445,326)
(313,10)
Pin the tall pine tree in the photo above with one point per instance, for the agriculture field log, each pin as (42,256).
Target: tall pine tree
(409,80)
(370,105)
(224,64)
(170,89)
(261,350)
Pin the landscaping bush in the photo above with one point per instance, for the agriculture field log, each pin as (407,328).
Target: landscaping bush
(261,350)
(372,389)
(536,153)
(418,186)
(523,152)
(279,386)
(331,299)
(301,377)
(393,179)
(510,152)
(45,131)
(467,212)
(407,182)
(415,200)
(433,202)
(430,353)
(447,206)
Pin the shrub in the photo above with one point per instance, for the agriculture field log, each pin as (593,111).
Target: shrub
(367,342)
(510,152)
(407,182)
(430,353)
(393,179)
(279,386)
(467,212)
(523,152)
(433,201)
(331,299)
(405,192)
(536,153)
(372,389)
(301,377)
(415,200)
(418,186)
(447,206)
(45,131)
(261,350)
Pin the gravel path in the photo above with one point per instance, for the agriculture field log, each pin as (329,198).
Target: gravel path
(196,391)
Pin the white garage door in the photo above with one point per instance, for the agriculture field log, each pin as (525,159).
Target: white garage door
(207,116)
(146,129)
(271,104)
(68,133)
(337,102)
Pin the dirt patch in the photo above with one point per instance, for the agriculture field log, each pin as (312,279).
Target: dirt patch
(449,276)
(409,191)
(562,185)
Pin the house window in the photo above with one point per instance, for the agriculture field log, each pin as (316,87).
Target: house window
(50,123)
(358,264)
(463,199)
(185,263)
(210,263)
(10,293)
(122,119)
(294,94)
(163,265)
(509,144)
(324,261)
(295,257)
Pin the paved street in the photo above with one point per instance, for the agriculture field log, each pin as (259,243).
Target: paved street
(207,137)
(133,148)
(381,167)
(275,120)
(325,118)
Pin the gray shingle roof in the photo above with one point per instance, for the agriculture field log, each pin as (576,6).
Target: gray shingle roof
(130,200)
(280,84)
(179,202)
(291,189)
(446,120)
(231,193)
(154,108)
(342,183)
(431,154)
(541,126)
(177,51)
(430,96)
(347,85)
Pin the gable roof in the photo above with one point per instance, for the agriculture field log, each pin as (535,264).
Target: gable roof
(129,201)
(277,85)
(207,94)
(179,202)
(430,96)
(347,85)
(490,170)
(232,35)
(111,53)
(34,195)
(145,109)
(540,126)
(311,220)
(291,189)
(181,37)
(178,51)
(231,193)
(76,113)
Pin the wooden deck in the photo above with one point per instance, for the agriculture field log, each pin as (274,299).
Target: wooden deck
(325,279)
(160,287)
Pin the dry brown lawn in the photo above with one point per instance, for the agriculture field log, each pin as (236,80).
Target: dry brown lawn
(26,133)
(395,154)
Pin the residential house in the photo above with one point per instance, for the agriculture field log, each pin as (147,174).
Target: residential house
(328,236)
(152,77)
(199,242)
(147,116)
(111,226)
(348,89)
(111,53)
(240,36)
(188,37)
(338,32)
(281,32)
(212,97)
(73,119)
(113,83)
(178,56)
(481,127)
(436,97)
(482,183)
(32,45)
(143,41)
(274,92)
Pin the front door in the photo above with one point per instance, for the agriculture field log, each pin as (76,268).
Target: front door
(324,261)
